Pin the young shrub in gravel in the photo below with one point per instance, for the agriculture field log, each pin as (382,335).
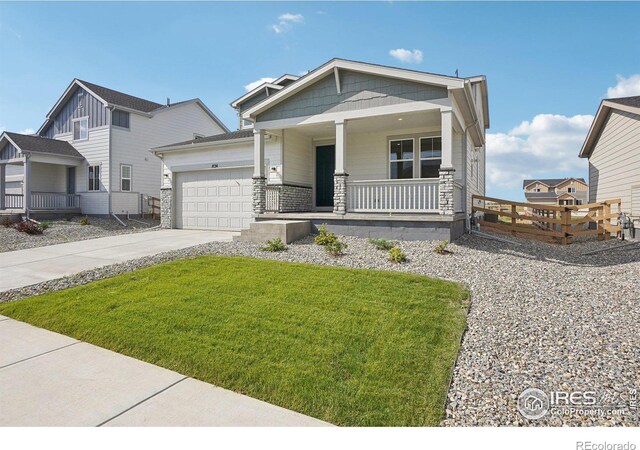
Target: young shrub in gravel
(28,227)
(45,224)
(335,248)
(382,244)
(84,220)
(325,237)
(441,248)
(396,255)
(274,245)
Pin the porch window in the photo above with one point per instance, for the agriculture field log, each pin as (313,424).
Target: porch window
(94,178)
(430,156)
(81,129)
(125,178)
(401,159)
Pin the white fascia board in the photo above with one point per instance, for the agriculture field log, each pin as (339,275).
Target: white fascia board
(6,136)
(443,104)
(618,106)
(594,130)
(322,71)
(50,158)
(286,76)
(534,182)
(255,91)
(200,146)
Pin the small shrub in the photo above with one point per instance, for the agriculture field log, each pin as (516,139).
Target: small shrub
(335,248)
(7,222)
(441,248)
(28,227)
(382,244)
(84,221)
(325,237)
(274,245)
(45,224)
(396,255)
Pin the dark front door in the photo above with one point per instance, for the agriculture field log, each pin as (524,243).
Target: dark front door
(71,180)
(325,167)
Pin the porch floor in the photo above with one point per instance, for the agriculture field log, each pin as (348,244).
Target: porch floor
(320,215)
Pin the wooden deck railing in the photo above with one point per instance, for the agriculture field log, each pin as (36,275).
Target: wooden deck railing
(551,223)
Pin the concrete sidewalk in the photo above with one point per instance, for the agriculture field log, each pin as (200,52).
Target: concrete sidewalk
(22,268)
(47,379)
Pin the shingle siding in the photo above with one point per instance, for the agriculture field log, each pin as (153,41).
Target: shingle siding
(358,91)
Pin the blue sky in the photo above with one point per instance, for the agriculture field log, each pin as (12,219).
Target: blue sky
(547,64)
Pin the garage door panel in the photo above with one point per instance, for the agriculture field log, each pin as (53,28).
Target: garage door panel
(216,199)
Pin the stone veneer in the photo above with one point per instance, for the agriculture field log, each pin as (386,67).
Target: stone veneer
(293,198)
(340,193)
(166,213)
(259,195)
(446,191)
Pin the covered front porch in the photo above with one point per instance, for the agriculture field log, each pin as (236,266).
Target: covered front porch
(403,166)
(36,181)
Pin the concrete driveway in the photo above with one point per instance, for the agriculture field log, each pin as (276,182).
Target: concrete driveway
(47,379)
(22,268)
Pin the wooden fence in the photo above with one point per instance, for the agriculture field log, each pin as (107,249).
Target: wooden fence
(551,223)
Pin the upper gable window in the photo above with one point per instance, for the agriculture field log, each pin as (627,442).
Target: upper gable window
(81,129)
(120,118)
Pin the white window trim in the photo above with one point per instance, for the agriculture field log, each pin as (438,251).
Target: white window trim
(420,158)
(130,178)
(89,187)
(73,132)
(391,161)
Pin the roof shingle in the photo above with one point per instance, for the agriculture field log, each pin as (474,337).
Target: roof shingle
(549,181)
(122,99)
(627,101)
(239,134)
(40,144)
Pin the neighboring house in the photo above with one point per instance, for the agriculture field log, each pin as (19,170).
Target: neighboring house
(556,191)
(613,149)
(368,149)
(91,155)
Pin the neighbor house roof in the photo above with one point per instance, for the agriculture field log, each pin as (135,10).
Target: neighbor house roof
(542,195)
(231,136)
(625,104)
(551,182)
(38,144)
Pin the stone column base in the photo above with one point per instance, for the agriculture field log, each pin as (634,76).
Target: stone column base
(445,197)
(259,195)
(340,193)
(166,207)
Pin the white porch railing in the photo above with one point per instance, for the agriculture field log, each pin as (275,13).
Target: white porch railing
(393,195)
(458,197)
(13,201)
(54,201)
(273,199)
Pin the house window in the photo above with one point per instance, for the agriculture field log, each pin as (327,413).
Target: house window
(578,202)
(125,178)
(430,157)
(571,190)
(94,178)
(536,190)
(401,159)
(81,129)
(120,118)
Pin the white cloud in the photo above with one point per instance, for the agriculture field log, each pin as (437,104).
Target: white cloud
(286,21)
(626,87)
(254,84)
(27,131)
(407,56)
(545,147)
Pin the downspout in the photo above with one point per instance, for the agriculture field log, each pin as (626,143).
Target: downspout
(110,167)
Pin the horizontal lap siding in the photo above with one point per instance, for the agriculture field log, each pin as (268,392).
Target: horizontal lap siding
(614,165)
(298,158)
(48,178)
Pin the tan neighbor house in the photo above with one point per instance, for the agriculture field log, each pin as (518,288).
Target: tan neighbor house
(556,191)
(613,149)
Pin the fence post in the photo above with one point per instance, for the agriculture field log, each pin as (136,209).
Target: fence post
(565,215)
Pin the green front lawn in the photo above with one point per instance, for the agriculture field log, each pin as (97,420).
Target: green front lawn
(351,347)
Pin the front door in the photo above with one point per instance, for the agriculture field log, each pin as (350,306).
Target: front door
(71,185)
(325,167)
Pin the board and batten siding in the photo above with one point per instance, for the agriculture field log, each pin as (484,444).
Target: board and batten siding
(9,151)
(614,164)
(358,91)
(80,104)
(131,146)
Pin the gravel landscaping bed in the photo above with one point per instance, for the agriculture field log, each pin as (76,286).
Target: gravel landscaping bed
(542,315)
(61,231)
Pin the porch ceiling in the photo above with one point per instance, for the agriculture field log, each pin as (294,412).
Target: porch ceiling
(392,123)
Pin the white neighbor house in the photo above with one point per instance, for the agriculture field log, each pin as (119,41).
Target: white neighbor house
(613,149)
(368,149)
(91,155)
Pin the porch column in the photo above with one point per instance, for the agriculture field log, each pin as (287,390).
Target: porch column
(259,180)
(3,181)
(26,190)
(340,176)
(446,167)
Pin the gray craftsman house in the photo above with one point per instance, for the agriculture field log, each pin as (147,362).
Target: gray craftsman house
(91,155)
(368,149)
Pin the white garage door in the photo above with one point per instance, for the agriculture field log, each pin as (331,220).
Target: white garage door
(214,199)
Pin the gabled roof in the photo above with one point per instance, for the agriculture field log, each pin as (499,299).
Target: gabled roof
(626,104)
(117,98)
(39,144)
(544,195)
(224,137)
(550,182)
(276,85)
